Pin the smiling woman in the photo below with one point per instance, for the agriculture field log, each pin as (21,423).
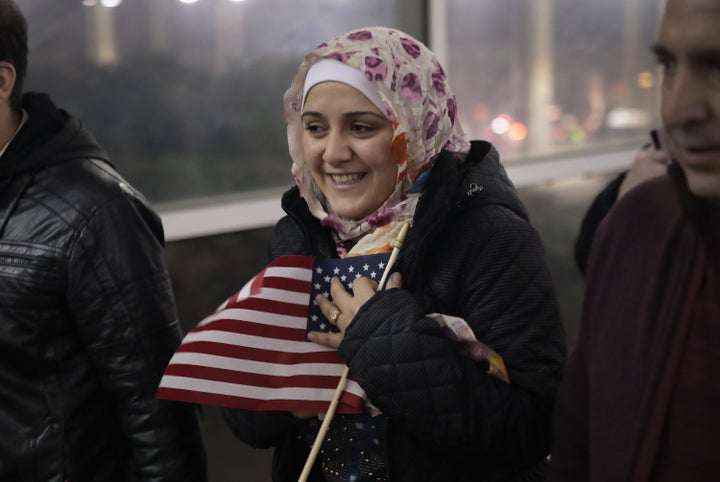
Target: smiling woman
(376,144)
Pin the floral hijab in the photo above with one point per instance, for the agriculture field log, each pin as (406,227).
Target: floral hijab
(419,104)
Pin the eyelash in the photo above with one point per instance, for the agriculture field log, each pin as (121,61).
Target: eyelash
(362,128)
(356,128)
(311,127)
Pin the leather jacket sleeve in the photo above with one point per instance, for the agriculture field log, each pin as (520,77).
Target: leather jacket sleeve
(120,297)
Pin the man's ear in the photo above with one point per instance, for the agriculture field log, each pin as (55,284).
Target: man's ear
(7,80)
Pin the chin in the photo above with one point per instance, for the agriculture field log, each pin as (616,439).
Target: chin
(705,187)
(353,212)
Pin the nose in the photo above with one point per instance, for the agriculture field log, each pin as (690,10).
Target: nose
(684,98)
(337,149)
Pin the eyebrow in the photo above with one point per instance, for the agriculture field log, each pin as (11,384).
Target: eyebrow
(708,55)
(311,113)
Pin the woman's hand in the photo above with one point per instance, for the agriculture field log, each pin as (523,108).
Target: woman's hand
(341,311)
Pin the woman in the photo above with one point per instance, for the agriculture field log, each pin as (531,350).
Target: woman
(375,142)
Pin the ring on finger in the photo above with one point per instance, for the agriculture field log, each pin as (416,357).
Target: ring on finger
(334,315)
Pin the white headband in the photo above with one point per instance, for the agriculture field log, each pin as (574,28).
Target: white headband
(327,70)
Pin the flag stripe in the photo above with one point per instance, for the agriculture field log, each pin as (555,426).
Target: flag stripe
(251,316)
(289,273)
(256,379)
(254,329)
(258,342)
(278,362)
(300,286)
(290,298)
(251,391)
(258,317)
(258,393)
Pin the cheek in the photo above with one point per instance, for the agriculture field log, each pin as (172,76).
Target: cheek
(310,153)
(389,176)
(388,167)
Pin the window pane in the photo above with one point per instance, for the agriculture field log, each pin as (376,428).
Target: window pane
(542,76)
(185,97)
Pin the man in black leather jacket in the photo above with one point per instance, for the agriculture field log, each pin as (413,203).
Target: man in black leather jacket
(87,315)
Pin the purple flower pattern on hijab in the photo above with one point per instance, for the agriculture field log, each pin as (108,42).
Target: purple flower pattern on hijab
(360,35)
(438,82)
(410,87)
(418,101)
(411,47)
(431,121)
(375,69)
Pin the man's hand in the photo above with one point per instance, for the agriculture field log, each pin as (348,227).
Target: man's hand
(648,163)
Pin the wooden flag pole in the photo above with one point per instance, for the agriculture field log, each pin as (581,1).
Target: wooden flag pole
(330,413)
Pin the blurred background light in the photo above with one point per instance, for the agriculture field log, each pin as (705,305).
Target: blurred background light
(517,131)
(646,80)
(500,124)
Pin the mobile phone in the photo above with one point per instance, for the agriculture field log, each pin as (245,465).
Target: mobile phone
(655,136)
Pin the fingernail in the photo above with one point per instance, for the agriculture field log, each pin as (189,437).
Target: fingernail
(396,278)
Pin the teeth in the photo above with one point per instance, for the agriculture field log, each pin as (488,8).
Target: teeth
(346,178)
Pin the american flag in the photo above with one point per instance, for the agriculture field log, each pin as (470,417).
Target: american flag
(253,353)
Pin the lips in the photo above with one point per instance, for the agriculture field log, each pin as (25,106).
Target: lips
(698,158)
(701,149)
(695,141)
(695,147)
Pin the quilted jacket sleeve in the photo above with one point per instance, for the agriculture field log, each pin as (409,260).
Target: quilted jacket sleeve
(120,296)
(488,268)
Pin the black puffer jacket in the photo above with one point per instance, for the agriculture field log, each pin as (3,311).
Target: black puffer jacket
(87,318)
(470,253)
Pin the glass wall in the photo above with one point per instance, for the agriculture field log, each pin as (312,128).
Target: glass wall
(539,77)
(185,95)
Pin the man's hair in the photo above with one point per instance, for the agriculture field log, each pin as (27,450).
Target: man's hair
(14,46)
